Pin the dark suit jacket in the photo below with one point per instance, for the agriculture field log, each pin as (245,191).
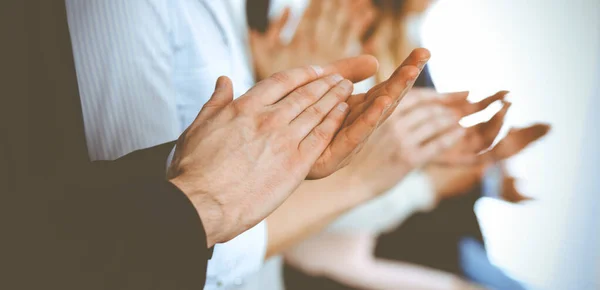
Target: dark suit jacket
(68,223)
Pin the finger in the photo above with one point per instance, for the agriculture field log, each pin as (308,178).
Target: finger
(342,23)
(278,85)
(325,25)
(356,100)
(510,192)
(314,114)
(303,97)
(405,75)
(417,97)
(516,140)
(275,27)
(349,138)
(221,97)
(466,109)
(366,14)
(437,146)
(420,115)
(486,133)
(418,57)
(355,69)
(454,97)
(275,87)
(317,140)
(306,27)
(429,130)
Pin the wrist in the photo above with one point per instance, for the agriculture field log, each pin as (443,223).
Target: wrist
(373,183)
(210,212)
(357,189)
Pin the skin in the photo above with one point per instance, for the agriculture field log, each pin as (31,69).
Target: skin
(346,256)
(451,181)
(240,159)
(328,30)
(318,28)
(355,183)
(385,159)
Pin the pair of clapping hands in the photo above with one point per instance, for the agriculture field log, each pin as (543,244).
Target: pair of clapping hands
(240,159)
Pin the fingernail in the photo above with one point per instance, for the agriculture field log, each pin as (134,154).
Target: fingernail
(346,85)
(318,70)
(342,107)
(336,78)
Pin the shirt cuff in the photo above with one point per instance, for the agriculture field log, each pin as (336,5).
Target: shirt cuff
(414,193)
(170,157)
(492,181)
(234,261)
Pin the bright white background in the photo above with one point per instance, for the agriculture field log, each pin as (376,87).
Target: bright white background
(547,53)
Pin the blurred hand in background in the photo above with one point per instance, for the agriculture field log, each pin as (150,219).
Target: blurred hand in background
(453,180)
(329,30)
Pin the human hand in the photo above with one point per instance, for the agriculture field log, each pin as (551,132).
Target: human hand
(478,137)
(240,159)
(414,134)
(450,181)
(363,115)
(328,30)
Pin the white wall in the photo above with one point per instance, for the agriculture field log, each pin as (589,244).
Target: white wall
(546,53)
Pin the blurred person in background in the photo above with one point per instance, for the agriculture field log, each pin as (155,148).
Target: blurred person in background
(390,37)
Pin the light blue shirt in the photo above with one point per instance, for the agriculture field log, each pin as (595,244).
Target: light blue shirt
(145,68)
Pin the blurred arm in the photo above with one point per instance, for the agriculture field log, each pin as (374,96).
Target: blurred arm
(414,193)
(347,258)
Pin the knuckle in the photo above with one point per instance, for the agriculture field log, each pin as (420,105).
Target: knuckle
(341,94)
(315,111)
(280,78)
(321,135)
(302,91)
(239,107)
(295,104)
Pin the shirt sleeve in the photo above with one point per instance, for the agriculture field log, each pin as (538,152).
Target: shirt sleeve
(236,260)
(413,194)
(208,48)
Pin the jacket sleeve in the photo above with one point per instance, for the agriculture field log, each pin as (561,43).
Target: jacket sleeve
(121,224)
(68,223)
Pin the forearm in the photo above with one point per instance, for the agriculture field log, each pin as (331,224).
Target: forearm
(143,222)
(348,259)
(413,194)
(384,274)
(314,205)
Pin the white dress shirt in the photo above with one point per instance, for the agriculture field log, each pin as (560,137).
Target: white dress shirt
(413,194)
(144,69)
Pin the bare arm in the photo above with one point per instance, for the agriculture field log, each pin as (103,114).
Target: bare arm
(348,259)
(314,205)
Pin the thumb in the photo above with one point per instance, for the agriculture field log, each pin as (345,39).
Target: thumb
(221,97)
